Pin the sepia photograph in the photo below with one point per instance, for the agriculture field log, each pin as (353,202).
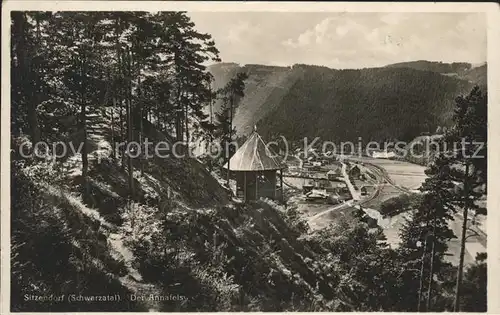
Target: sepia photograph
(173,159)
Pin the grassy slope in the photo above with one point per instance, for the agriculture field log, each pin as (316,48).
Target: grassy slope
(264,90)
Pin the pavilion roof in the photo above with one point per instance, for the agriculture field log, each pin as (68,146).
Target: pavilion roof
(254,155)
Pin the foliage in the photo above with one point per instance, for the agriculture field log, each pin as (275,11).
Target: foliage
(56,251)
(398,204)
(475,286)
(224,132)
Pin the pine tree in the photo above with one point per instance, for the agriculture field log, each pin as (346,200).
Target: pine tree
(187,50)
(456,182)
(30,73)
(437,195)
(468,164)
(78,37)
(230,94)
(425,236)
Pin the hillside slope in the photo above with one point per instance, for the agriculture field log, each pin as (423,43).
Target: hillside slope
(265,87)
(342,105)
(90,237)
(179,236)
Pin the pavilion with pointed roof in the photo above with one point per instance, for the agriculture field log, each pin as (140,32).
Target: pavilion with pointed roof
(254,166)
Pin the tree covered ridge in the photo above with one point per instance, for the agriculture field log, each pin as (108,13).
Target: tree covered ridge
(96,78)
(372,103)
(461,70)
(440,67)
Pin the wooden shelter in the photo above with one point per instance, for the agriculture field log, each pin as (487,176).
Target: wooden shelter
(254,167)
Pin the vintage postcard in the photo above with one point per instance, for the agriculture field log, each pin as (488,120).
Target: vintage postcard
(249,157)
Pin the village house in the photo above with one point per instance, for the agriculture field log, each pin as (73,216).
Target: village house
(355,171)
(364,191)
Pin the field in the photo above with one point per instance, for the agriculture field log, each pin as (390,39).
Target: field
(404,174)
(342,213)
(386,192)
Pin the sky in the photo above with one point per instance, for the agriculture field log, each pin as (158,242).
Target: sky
(344,40)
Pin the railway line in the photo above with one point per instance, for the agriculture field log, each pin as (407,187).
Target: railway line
(382,173)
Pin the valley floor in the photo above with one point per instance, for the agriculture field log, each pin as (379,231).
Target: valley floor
(393,178)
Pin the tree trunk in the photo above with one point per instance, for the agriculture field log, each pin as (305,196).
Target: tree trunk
(19,48)
(120,76)
(461,263)
(85,161)
(211,106)
(228,149)
(178,115)
(178,125)
(431,269)
(32,84)
(281,188)
(456,307)
(141,114)
(130,126)
(113,147)
(158,115)
(122,134)
(186,121)
(421,286)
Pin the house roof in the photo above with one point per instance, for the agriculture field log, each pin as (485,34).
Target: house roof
(254,155)
(355,167)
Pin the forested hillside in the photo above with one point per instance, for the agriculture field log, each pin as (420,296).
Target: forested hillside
(439,67)
(477,75)
(265,88)
(461,70)
(342,105)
